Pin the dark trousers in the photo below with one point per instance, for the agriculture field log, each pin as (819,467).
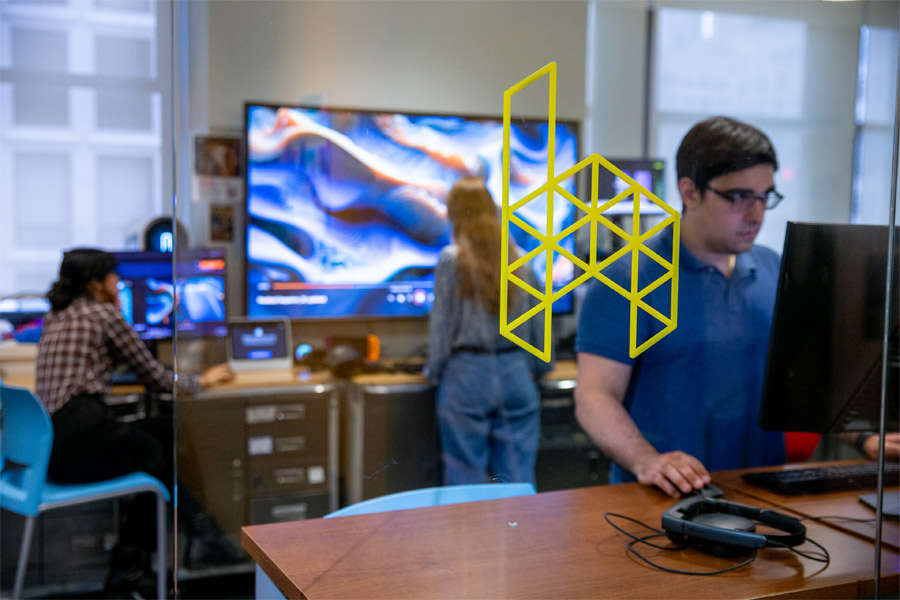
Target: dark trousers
(90,445)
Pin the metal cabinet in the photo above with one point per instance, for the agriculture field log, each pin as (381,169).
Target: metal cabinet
(567,458)
(69,551)
(390,442)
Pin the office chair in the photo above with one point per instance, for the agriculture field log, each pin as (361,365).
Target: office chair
(26,439)
(434,496)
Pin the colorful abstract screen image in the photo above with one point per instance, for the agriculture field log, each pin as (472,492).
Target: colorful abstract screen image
(346,212)
(155,307)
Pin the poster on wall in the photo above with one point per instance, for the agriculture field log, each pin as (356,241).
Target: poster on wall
(217,170)
(221,223)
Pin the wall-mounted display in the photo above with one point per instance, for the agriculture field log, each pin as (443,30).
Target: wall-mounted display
(345,208)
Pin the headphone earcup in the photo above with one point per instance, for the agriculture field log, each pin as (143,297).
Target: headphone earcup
(725,523)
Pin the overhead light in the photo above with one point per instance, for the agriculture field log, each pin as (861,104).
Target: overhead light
(707,24)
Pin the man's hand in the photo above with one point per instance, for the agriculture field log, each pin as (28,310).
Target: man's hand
(220,373)
(891,446)
(675,473)
(598,407)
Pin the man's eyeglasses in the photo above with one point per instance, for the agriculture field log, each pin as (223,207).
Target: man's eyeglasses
(744,199)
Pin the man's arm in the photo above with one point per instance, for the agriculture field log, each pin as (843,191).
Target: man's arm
(599,394)
(867,442)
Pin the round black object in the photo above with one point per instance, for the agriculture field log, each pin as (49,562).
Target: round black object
(343,360)
(722,521)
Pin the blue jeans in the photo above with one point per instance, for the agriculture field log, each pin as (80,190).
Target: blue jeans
(489,414)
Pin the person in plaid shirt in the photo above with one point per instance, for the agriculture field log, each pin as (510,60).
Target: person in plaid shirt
(83,338)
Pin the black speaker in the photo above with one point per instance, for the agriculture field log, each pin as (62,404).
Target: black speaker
(728,529)
(162,233)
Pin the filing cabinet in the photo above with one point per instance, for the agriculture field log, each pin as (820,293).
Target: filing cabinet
(261,454)
(390,440)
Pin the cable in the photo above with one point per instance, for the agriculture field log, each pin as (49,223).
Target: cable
(825,557)
(840,519)
(675,548)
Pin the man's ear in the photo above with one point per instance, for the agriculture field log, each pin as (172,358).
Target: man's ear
(690,194)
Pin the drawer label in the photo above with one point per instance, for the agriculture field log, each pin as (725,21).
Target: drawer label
(261,414)
(263,444)
(316,475)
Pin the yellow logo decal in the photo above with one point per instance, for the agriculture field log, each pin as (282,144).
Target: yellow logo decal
(593,215)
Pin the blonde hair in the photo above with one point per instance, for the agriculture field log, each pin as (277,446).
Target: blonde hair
(478,234)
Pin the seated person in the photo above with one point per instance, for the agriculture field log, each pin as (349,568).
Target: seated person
(83,338)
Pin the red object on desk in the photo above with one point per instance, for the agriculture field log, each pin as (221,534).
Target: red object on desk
(800,445)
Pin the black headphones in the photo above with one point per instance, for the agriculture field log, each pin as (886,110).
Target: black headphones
(728,529)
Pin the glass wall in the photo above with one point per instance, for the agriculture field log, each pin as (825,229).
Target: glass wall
(307,148)
(635,77)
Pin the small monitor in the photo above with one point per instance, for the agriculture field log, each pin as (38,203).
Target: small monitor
(259,344)
(647,172)
(195,306)
(22,318)
(824,368)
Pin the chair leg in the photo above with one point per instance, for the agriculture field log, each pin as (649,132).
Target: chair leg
(24,550)
(160,547)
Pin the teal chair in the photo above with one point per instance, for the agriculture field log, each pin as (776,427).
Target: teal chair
(26,439)
(434,496)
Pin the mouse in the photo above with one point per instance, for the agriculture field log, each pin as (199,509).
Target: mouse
(710,490)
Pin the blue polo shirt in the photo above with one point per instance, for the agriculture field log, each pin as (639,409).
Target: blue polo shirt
(698,389)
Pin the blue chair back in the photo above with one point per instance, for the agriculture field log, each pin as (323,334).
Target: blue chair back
(26,439)
(450,494)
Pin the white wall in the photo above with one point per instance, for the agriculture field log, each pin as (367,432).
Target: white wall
(425,56)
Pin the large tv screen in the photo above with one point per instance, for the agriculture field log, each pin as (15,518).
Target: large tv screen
(345,208)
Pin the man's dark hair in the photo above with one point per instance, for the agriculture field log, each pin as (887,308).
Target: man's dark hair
(721,145)
(79,267)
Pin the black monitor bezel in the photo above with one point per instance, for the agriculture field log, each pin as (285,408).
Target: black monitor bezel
(779,409)
(176,257)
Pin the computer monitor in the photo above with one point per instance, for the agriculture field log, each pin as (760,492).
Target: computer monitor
(824,369)
(647,172)
(195,306)
(21,318)
(346,211)
(259,344)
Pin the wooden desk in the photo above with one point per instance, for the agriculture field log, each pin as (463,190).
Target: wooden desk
(27,381)
(550,545)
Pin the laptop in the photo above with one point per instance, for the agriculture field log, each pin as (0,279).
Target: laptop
(259,344)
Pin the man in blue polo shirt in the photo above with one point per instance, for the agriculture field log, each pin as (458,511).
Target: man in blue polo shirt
(689,403)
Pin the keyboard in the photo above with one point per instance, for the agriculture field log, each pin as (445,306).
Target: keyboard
(816,480)
(124,378)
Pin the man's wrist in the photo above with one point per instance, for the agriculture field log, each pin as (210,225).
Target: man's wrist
(861,440)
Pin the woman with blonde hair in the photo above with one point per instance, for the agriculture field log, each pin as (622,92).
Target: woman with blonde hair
(488,402)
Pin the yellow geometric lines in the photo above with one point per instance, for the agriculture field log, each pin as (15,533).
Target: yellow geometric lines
(593,216)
